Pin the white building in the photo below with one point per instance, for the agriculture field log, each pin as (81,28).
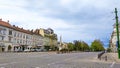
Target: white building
(113,39)
(13,38)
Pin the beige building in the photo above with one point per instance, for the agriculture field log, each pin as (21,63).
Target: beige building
(41,32)
(50,38)
(113,39)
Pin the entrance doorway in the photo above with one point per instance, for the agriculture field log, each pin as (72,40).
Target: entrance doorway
(9,48)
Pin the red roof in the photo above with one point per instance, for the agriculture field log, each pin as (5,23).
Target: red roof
(6,24)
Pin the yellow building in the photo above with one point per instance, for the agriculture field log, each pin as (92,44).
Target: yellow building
(41,32)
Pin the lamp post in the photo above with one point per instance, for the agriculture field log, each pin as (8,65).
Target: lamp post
(117,29)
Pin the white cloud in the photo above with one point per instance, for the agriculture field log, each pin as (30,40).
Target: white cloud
(16,3)
(33,19)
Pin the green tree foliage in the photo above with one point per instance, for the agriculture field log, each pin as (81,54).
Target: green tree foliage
(53,36)
(70,46)
(85,46)
(77,44)
(80,45)
(97,45)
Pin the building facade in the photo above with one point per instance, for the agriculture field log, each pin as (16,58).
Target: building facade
(50,38)
(113,39)
(13,38)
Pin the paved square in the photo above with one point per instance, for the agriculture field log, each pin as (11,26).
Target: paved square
(53,60)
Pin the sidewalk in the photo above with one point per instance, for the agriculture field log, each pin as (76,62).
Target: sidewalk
(111,57)
(114,56)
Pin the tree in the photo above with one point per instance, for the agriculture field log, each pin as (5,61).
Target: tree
(81,45)
(78,46)
(85,46)
(97,45)
(70,46)
(109,50)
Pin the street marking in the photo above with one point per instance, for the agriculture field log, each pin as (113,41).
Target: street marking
(112,64)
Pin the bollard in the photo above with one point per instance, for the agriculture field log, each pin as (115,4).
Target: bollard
(105,58)
(100,57)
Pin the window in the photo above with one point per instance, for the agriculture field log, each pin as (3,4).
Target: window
(23,36)
(18,35)
(10,32)
(2,37)
(14,40)
(15,34)
(23,42)
(17,40)
(4,32)
(10,39)
(0,31)
(20,41)
(26,37)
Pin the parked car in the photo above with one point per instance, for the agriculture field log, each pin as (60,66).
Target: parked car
(38,50)
(33,50)
(27,50)
(18,50)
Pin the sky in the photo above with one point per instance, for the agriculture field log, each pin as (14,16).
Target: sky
(84,20)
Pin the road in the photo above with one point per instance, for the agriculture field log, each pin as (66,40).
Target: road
(53,60)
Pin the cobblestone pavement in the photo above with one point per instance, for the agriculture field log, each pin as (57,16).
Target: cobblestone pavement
(53,60)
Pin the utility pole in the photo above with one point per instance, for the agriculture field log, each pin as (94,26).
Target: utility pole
(117,29)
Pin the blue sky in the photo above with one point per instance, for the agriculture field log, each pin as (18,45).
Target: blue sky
(85,20)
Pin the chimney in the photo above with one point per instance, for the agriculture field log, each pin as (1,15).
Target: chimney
(32,30)
(0,19)
(8,21)
(13,25)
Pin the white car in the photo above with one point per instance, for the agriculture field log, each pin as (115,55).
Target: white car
(27,50)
